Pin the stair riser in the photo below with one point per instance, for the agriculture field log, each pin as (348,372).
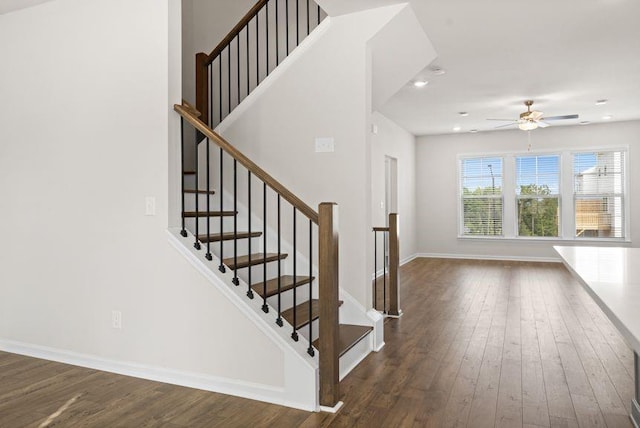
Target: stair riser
(304,331)
(287,297)
(190,202)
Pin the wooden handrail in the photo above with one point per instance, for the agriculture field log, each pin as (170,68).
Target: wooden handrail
(235,31)
(190,108)
(279,188)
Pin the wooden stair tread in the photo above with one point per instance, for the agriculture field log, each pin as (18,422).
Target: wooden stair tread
(302,313)
(227,236)
(209,213)
(348,336)
(256,259)
(286,283)
(200,191)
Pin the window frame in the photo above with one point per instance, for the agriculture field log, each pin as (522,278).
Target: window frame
(461,197)
(519,196)
(625,196)
(566,205)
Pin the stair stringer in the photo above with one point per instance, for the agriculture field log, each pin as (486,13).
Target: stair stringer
(301,377)
(352,312)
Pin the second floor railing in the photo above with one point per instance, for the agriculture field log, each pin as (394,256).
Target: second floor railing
(386,284)
(249,53)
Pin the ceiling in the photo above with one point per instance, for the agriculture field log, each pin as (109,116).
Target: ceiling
(7,6)
(564,55)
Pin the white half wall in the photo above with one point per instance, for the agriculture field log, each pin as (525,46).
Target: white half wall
(437,181)
(393,141)
(87,91)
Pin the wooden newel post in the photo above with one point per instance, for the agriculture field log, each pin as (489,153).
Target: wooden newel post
(328,296)
(202,87)
(394,266)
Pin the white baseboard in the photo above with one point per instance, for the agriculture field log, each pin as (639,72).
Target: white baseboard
(266,393)
(333,409)
(489,257)
(408,259)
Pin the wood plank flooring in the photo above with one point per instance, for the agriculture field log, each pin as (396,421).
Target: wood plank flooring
(480,344)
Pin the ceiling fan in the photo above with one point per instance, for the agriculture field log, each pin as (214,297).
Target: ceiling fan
(531,119)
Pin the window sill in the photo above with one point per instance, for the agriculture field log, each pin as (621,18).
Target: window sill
(545,240)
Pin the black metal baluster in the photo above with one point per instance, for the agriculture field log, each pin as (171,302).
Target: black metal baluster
(257,52)
(229,78)
(220,92)
(183,232)
(286,4)
(210,100)
(375,270)
(235,279)
(384,272)
(277,38)
(266,25)
(249,290)
(310,350)
(248,68)
(294,334)
(279,319)
(208,256)
(238,67)
(297,22)
(196,244)
(265,307)
(318,14)
(308,11)
(221,268)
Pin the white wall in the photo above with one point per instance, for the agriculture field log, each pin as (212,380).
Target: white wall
(204,24)
(392,140)
(87,90)
(437,169)
(321,91)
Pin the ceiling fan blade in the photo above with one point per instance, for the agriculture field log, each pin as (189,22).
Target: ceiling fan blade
(505,120)
(504,126)
(569,116)
(542,124)
(535,115)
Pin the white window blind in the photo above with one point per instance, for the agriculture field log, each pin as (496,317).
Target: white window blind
(481,194)
(538,195)
(598,179)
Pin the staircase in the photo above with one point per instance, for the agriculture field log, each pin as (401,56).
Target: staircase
(244,221)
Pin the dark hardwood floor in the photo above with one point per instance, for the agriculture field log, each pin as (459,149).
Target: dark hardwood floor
(480,344)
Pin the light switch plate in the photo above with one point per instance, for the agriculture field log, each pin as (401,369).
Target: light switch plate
(150,205)
(324,144)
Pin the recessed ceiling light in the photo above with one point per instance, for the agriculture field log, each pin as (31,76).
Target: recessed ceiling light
(420,83)
(601,102)
(607,117)
(473,131)
(585,122)
(438,71)
(457,128)
(463,113)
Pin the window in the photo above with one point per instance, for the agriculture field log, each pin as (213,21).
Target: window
(598,179)
(568,195)
(538,195)
(481,194)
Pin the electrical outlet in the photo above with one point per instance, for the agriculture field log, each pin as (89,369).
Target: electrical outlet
(116,319)
(150,205)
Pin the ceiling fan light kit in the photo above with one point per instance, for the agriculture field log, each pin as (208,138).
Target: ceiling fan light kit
(532,119)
